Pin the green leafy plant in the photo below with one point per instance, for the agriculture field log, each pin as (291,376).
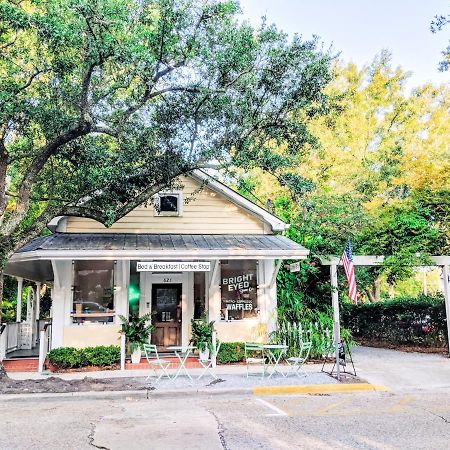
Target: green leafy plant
(137,330)
(100,356)
(417,321)
(231,352)
(202,334)
(65,357)
(71,358)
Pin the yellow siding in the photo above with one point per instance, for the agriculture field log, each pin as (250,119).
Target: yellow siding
(91,335)
(241,331)
(207,213)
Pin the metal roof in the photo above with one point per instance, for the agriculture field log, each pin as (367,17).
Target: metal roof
(129,245)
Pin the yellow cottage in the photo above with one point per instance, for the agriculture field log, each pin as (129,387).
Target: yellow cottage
(199,251)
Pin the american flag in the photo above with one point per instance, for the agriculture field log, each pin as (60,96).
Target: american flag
(347,262)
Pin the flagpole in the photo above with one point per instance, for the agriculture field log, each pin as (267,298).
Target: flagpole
(336,319)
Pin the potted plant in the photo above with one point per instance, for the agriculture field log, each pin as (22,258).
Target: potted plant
(137,330)
(202,336)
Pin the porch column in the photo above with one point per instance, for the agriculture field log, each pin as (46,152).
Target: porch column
(336,318)
(446,273)
(38,300)
(19,299)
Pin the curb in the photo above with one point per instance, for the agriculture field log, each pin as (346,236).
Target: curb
(258,390)
(319,389)
(142,393)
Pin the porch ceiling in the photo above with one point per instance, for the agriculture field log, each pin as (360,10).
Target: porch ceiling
(159,246)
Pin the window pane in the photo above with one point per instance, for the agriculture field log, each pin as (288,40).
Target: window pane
(168,203)
(134,292)
(93,296)
(199,294)
(239,289)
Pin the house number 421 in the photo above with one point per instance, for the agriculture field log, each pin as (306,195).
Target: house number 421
(167,280)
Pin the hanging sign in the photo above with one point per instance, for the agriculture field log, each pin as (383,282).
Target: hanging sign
(173,266)
(294,267)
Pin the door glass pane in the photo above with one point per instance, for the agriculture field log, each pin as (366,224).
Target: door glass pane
(166,304)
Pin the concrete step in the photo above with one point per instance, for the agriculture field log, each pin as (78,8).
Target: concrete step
(21,365)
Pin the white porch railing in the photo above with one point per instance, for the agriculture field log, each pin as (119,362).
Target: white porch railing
(9,338)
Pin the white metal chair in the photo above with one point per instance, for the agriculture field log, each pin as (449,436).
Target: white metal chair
(296,362)
(207,364)
(254,355)
(151,354)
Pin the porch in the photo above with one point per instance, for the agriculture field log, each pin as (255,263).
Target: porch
(95,278)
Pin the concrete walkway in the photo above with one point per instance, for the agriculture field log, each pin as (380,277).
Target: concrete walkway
(231,378)
(393,369)
(402,371)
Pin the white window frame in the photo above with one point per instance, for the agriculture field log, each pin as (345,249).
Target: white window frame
(177,213)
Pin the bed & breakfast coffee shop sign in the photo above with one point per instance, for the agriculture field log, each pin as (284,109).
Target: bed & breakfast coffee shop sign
(173,266)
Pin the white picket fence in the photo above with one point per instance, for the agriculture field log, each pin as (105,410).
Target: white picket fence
(293,334)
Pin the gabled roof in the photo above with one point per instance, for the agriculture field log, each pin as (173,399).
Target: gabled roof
(275,222)
(231,195)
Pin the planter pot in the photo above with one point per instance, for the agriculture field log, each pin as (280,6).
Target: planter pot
(204,355)
(136,356)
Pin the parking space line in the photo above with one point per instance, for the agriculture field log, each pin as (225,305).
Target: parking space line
(279,411)
(401,404)
(328,408)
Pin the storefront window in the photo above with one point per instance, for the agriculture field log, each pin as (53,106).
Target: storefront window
(134,292)
(199,295)
(93,292)
(239,289)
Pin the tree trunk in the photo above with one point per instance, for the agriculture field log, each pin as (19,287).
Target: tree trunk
(3,373)
(1,295)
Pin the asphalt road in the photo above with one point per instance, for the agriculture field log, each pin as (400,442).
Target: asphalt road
(376,420)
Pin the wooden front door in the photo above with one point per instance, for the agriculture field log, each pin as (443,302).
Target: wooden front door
(166,309)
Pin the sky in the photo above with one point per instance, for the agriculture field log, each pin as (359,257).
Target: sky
(359,29)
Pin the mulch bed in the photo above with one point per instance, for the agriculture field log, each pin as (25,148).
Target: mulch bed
(403,347)
(57,385)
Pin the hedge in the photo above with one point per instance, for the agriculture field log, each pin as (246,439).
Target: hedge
(69,357)
(230,352)
(412,321)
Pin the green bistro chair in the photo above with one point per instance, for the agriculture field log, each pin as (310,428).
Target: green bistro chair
(151,354)
(254,355)
(296,362)
(207,364)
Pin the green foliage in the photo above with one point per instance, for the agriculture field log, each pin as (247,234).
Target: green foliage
(69,357)
(413,321)
(101,355)
(231,352)
(311,326)
(201,334)
(65,357)
(137,330)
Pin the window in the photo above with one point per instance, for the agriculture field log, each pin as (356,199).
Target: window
(199,295)
(168,204)
(238,289)
(93,291)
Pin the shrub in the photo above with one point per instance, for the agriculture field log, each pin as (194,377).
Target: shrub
(65,357)
(231,352)
(101,356)
(412,321)
(70,358)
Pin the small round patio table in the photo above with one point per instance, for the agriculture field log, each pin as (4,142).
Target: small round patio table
(182,353)
(274,354)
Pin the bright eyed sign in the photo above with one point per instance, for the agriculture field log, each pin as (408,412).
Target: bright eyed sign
(173,266)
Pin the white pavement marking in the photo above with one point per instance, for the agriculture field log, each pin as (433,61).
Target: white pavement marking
(279,412)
